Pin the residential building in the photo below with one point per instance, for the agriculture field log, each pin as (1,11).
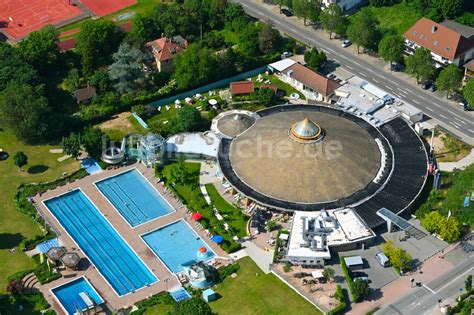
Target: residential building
(469,70)
(84,95)
(164,49)
(446,45)
(313,85)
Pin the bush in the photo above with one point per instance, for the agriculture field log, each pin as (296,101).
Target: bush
(44,273)
(342,299)
(226,271)
(163,299)
(287,267)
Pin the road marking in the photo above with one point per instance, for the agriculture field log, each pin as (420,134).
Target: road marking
(416,102)
(470,130)
(244,4)
(429,109)
(356,63)
(350,67)
(443,116)
(429,289)
(389,88)
(294,30)
(361,74)
(376,80)
(462,121)
(330,50)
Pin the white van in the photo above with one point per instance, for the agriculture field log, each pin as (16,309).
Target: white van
(383,260)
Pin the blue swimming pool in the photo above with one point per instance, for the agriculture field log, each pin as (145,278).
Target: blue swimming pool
(77,295)
(100,242)
(134,197)
(177,245)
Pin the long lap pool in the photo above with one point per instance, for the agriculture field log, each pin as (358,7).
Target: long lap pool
(134,197)
(100,242)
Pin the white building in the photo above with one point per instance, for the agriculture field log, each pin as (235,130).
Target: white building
(314,233)
(446,45)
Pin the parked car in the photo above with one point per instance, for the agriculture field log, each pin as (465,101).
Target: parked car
(456,97)
(286,12)
(286,54)
(346,43)
(331,76)
(366,279)
(396,67)
(425,85)
(382,259)
(432,87)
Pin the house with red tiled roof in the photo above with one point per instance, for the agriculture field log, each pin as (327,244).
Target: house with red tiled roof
(446,45)
(164,49)
(312,84)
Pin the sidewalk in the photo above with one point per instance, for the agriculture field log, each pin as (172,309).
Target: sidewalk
(461,164)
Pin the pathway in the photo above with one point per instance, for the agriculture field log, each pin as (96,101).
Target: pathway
(262,258)
(461,164)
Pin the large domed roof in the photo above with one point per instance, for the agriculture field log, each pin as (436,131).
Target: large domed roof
(305,130)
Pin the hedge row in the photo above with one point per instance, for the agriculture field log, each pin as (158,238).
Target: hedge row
(350,283)
(342,299)
(277,244)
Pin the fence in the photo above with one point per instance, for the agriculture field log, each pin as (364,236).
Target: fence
(209,87)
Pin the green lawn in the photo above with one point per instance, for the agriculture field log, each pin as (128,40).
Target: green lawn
(451,150)
(455,187)
(232,216)
(399,17)
(15,226)
(142,6)
(254,294)
(288,89)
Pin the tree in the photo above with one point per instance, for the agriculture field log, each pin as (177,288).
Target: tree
(193,306)
(449,79)
(420,64)
(126,72)
(400,258)
(361,288)
(391,48)
(179,173)
(383,3)
(71,145)
(468,92)
(450,229)
(100,80)
(96,43)
(449,9)
(26,112)
(332,19)
(363,30)
(93,141)
(468,283)
(41,48)
(328,273)
(187,119)
(247,39)
(15,286)
(266,96)
(14,69)
(315,59)
(195,66)
(232,11)
(72,81)
(307,9)
(145,27)
(20,159)
(271,225)
(432,221)
(268,39)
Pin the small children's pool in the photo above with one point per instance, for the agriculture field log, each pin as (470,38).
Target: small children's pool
(180,295)
(77,295)
(177,245)
(91,166)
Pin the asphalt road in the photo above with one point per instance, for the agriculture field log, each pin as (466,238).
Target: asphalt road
(423,300)
(449,116)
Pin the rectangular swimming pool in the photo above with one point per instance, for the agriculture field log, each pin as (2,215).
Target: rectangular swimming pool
(177,245)
(134,197)
(100,242)
(76,295)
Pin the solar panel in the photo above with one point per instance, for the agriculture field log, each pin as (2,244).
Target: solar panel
(398,221)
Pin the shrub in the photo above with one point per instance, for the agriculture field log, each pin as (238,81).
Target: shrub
(342,299)
(350,283)
(163,299)
(228,270)
(287,267)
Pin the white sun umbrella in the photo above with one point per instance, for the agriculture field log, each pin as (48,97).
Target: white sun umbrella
(213,101)
(177,102)
(199,96)
(188,100)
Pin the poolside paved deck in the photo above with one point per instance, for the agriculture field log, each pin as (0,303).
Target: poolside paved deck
(131,236)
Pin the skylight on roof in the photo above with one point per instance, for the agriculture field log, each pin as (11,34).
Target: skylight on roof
(414,33)
(436,43)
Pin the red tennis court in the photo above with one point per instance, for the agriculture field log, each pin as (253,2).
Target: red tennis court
(105,7)
(18,18)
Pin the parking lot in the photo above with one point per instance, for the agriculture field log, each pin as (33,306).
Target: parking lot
(378,275)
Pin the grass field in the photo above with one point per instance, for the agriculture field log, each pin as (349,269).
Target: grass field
(449,148)
(254,294)
(399,17)
(232,216)
(15,226)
